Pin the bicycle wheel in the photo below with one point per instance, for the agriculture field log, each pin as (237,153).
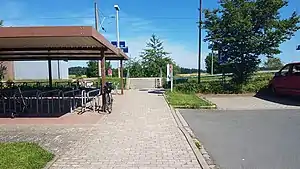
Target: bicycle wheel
(108,103)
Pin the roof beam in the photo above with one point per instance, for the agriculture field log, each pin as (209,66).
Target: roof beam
(43,58)
(52,54)
(53,48)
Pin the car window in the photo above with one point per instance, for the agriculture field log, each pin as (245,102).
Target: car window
(285,70)
(296,70)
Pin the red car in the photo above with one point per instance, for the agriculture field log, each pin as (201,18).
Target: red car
(287,80)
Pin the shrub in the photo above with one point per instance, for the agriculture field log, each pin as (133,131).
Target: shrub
(114,80)
(180,80)
(188,87)
(218,87)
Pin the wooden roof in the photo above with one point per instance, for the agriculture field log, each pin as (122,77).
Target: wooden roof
(57,43)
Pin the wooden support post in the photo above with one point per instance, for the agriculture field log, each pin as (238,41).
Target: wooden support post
(50,72)
(121,72)
(103,79)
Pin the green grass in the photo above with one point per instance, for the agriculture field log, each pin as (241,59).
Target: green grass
(23,156)
(189,101)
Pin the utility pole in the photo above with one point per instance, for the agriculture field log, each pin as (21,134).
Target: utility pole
(58,70)
(200,40)
(96,27)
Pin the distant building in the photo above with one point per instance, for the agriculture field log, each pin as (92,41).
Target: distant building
(25,70)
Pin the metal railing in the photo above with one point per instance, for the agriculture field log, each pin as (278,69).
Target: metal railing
(48,102)
(93,97)
(47,97)
(71,98)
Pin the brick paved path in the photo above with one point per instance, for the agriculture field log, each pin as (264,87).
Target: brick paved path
(140,133)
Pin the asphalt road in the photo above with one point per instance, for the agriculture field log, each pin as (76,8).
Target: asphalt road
(246,139)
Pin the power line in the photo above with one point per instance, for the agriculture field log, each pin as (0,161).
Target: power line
(49,18)
(91,16)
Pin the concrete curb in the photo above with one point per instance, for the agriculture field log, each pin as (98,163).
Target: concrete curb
(50,163)
(187,133)
(181,126)
(202,107)
(201,148)
(214,106)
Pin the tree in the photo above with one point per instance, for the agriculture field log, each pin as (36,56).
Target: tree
(243,30)
(92,68)
(154,59)
(189,70)
(273,63)
(135,68)
(78,71)
(218,68)
(216,65)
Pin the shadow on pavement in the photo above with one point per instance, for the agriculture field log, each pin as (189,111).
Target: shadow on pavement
(157,91)
(266,94)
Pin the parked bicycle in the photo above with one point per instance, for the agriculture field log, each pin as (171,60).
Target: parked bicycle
(108,87)
(19,100)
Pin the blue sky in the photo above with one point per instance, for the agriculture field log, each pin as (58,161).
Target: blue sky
(174,21)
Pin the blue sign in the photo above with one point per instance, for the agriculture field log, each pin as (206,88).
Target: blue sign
(125,50)
(114,43)
(122,45)
(298,47)
(222,59)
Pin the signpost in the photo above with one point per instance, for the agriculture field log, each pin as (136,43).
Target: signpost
(170,75)
(109,72)
(222,59)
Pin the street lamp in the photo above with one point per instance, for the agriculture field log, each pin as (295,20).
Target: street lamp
(117,24)
(118,33)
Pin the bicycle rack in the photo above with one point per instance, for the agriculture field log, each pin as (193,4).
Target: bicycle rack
(44,96)
(94,99)
(43,100)
(72,95)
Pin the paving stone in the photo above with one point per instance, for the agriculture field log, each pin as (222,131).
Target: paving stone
(140,133)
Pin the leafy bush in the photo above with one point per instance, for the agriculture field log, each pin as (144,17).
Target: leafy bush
(180,80)
(217,87)
(188,87)
(114,80)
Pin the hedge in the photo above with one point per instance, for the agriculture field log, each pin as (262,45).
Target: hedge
(218,87)
(114,80)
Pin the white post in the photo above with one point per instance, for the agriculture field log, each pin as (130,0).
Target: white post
(171,74)
(168,73)
(96,26)
(118,35)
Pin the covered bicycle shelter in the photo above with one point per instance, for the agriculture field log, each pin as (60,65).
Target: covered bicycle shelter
(58,43)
